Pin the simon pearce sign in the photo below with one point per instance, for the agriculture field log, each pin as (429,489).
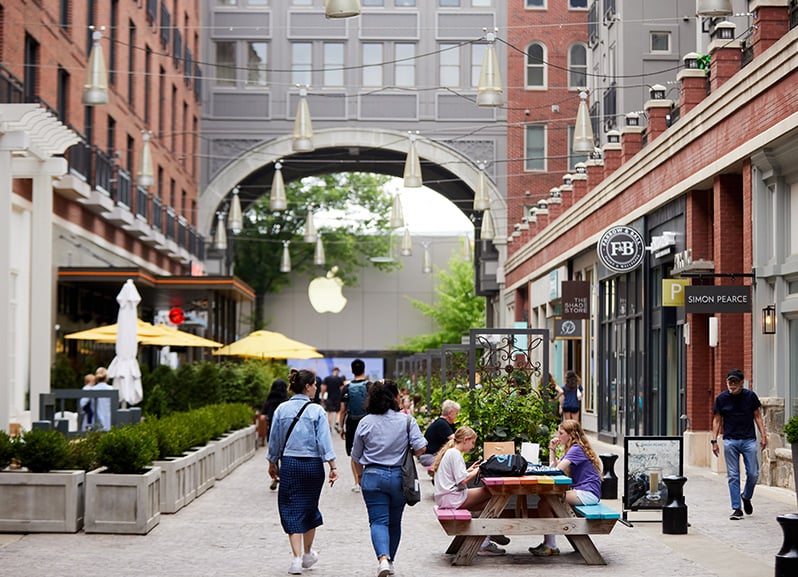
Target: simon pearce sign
(621,248)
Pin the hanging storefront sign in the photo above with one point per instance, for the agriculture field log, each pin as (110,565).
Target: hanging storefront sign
(673,291)
(575,299)
(621,249)
(717,299)
(567,329)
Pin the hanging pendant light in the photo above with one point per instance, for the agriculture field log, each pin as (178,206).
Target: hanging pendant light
(319,258)
(310,228)
(144,177)
(489,89)
(95,90)
(412,174)
(285,259)
(235,221)
(714,8)
(407,244)
(487,231)
(468,254)
(341,8)
(389,257)
(277,199)
(481,198)
(220,238)
(426,263)
(303,128)
(583,131)
(397,214)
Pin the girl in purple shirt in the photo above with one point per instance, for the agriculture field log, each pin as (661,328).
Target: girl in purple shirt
(579,462)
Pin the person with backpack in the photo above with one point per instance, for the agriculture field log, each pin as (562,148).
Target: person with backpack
(353,408)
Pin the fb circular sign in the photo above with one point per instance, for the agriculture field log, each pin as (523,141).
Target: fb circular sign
(621,248)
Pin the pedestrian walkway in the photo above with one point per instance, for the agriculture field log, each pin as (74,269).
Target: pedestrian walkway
(234,530)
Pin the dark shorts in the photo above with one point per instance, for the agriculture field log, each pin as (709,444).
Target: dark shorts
(570,409)
(349,436)
(332,405)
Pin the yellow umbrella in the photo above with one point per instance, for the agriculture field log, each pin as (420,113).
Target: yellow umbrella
(177,338)
(268,345)
(107,333)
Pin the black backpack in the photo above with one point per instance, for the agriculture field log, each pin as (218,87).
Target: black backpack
(503,466)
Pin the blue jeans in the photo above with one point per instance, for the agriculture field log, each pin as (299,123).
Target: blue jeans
(732,449)
(382,492)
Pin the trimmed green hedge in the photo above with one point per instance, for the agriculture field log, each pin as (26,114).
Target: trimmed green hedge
(6,450)
(42,451)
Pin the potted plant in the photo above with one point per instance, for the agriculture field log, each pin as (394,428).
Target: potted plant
(791,433)
(42,495)
(123,495)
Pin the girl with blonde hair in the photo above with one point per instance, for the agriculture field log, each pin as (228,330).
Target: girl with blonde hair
(452,478)
(580,462)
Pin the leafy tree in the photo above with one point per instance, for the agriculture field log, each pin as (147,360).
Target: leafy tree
(457,309)
(359,229)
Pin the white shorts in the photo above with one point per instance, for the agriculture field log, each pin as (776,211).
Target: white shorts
(586,497)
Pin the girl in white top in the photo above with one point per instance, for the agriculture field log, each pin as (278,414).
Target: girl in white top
(452,477)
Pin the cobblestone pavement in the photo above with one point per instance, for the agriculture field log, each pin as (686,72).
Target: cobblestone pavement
(234,530)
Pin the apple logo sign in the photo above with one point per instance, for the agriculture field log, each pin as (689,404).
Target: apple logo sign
(325,293)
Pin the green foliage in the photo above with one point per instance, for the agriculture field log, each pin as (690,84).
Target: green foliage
(791,429)
(83,451)
(127,450)
(41,451)
(7,450)
(249,382)
(359,231)
(63,374)
(456,310)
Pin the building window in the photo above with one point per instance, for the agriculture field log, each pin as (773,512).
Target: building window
(373,2)
(333,64)
(161,99)
(63,95)
(131,64)
(577,66)
(302,2)
(111,136)
(113,41)
(301,63)
(225,63)
(481,3)
(404,3)
(660,41)
(450,64)
(577,4)
(31,79)
(535,147)
(477,54)
(535,3)
(256,63)
(449,3)
(535,66)
(405,67)
(372,64)
(147,83)
(64,14)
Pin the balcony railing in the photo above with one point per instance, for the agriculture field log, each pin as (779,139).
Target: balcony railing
(170,222)
(103,171)
(11,87)
(182,232)
(79,157)
(122,191)
(141,202)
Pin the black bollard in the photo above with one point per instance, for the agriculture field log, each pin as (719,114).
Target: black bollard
(609,481)
(674,513)
(787,557)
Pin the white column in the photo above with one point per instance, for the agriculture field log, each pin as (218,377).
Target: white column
(5,272)
(42,283)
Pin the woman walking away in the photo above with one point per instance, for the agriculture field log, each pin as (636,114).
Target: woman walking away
(299,443)
(277,395)
(579,462)
(451,480)
(381,438)
(571,399)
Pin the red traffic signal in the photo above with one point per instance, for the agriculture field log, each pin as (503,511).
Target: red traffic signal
(176,316)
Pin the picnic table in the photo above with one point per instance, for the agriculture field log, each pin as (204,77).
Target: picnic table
(577,523)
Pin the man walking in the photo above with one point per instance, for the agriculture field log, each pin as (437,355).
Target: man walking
(735,412)
(352,409)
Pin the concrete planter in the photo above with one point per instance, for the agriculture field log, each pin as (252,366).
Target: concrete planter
(233,449)
(178,482)
(205,471)
(795,469)
(129,504)
(41,502)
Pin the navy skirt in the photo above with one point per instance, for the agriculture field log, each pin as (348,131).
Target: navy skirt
(301,480)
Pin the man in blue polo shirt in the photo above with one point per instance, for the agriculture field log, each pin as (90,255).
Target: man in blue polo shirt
(735,412)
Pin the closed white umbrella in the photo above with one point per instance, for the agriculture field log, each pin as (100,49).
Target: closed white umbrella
(124,369)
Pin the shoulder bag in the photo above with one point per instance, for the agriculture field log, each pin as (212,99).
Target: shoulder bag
(411,488)
(290,429)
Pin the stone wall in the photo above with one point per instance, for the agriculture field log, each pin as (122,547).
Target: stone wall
(777,469)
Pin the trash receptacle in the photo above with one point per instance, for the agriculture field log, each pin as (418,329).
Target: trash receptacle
(674,513)
(787,557)
(609,481)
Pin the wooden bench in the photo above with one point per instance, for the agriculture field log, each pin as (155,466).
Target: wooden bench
(597,511)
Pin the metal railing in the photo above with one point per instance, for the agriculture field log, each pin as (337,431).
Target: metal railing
(11,88)
(170,219)
(156,213)
(182,232)
(103,172)
(141,202)
(79,158)
(122,191)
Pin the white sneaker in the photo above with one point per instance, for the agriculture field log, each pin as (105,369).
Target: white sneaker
(356,489)
(309,559)
(385,568)
(391,570)
(296,566)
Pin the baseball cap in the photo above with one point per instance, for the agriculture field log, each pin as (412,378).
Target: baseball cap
(735,374)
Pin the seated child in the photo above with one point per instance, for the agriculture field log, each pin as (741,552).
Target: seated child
(451,480)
